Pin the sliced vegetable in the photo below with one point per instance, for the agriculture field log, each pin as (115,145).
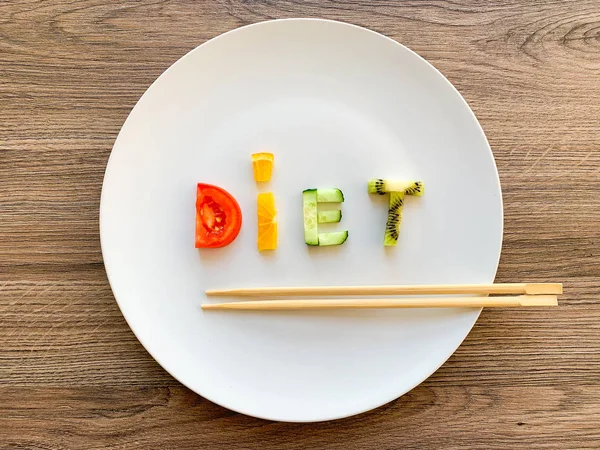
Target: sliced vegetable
(218,217)
(331,216)
(267,225)
(309,209)
(334,238)
(312,217)
(329,196)
(262,163)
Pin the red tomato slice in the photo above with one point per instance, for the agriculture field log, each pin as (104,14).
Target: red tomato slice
(218,217)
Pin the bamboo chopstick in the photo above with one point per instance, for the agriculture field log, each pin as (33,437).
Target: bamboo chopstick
(378,303)
(450,289)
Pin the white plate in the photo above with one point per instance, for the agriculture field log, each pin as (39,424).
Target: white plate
(337,104)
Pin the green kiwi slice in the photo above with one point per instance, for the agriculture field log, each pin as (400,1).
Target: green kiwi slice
(381,186)
(392,227)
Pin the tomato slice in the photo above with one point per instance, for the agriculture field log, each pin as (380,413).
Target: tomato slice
(218,217)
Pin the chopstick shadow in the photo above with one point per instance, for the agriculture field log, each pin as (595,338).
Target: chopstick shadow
(380,315)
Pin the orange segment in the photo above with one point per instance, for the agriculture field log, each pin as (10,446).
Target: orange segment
(266,207)
(267,236)
(262,163)
(267,225)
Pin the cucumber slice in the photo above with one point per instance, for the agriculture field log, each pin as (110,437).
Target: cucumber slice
(309,208)
(392,227)
(409,187)
(334,215)
(329,196)
(335,238)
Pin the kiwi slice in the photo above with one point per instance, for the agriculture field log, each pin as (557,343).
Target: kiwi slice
(409,187)
(397,189)
(392,227)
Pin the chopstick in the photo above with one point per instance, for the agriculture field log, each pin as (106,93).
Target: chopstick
(449,289)
(377,303)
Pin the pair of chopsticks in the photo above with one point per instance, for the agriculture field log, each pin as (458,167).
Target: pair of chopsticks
(514,294)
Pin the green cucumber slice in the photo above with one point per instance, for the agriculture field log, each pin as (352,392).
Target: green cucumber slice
(332,216)
(329,196)
(334,238)
(309,209)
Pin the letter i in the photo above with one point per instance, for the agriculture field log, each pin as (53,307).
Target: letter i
(262,163)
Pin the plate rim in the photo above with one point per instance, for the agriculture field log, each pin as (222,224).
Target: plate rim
(102,206)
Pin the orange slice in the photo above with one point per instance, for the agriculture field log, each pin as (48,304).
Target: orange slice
(262,163)
(267,237)
(267,225)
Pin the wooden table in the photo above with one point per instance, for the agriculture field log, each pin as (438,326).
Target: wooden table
(72,374)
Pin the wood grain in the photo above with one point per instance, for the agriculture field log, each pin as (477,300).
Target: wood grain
(72,375)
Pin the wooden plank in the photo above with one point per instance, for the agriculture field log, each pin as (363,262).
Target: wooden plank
(72,373)
(430,416)
(50,328)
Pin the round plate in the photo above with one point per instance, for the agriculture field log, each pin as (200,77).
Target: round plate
(337,105)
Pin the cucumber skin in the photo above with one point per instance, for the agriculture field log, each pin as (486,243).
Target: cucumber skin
(311,236)
(324,238)
(330,195)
